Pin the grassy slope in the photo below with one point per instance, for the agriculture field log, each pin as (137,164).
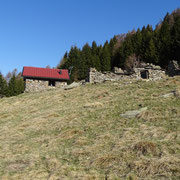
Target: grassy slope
(51,135)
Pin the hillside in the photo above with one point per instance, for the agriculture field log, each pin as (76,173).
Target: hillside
(81,134)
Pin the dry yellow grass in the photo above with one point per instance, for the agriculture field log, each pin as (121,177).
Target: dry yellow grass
(79,133)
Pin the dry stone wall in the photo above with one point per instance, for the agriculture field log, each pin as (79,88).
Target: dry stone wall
(60,84)
(98,77)
(153,74)
(36,85)
(40,85)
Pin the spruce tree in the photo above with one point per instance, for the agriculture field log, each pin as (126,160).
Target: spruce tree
(95,56)
(105,58)
(112,45)
(74,59)
(150,54)
(87,59)
(12,86)
(3,87)
(165,43)
(176,39)
(20,85)
(147,34)
(138,42)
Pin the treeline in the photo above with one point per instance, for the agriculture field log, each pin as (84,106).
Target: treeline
(157,46)
(11,85)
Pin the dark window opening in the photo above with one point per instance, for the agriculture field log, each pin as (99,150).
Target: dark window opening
(52,83)
(145,74)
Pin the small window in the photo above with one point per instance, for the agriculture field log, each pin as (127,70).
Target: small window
(60,72)
(145,74)
(52,83)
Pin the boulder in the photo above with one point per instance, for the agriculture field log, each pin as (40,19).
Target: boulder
(175,93)
(118,70)
(134,113)
(92,105)
(71,86)
(168,95)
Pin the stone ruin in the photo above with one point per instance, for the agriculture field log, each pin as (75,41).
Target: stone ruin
(148,71)
(41,85)
(173,68)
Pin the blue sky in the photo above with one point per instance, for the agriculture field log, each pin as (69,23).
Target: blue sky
(38,32)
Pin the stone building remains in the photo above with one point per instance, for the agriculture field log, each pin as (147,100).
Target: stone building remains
(173,68)
(39,79)
(147,71)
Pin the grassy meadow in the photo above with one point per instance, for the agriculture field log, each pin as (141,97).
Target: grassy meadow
(80,133)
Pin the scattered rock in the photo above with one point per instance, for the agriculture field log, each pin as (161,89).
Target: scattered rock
(117,70)
(168,95)
(134,113)
(91,105)
(71,86)
(83,82)
(175,93)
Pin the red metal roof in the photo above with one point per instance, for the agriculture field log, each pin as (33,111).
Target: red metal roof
(35,72)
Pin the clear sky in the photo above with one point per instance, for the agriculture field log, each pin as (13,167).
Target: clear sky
(38,32)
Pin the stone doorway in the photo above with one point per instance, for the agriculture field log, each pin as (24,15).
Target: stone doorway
(145,74)
(52,83)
